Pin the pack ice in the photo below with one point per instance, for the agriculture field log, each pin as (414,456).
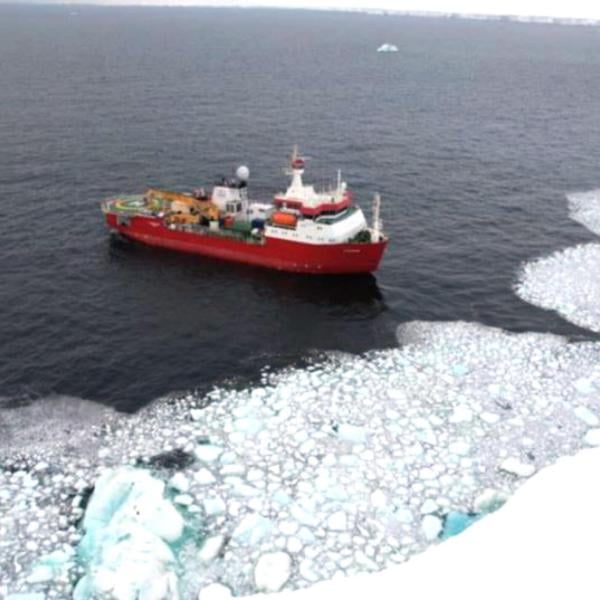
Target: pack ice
(522,551)
(568,281)
(350,465)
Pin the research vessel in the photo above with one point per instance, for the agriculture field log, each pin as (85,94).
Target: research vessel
(301,230)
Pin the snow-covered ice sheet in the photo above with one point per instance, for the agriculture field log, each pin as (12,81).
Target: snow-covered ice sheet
(349,465)
(541,544)
(568,281)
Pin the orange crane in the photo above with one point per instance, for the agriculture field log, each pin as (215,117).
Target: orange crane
(184,208)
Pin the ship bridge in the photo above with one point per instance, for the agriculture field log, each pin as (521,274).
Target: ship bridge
(306,200)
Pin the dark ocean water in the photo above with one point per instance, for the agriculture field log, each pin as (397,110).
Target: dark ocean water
(473,133)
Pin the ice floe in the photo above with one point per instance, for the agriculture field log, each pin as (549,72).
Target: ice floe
(568,281)
(350,465)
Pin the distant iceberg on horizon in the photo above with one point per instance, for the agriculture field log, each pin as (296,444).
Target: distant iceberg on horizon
(387,48)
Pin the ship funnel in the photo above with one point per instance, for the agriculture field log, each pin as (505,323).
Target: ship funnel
(243,173)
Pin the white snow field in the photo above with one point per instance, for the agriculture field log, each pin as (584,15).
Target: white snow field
(541,544)
(348,466)
(568,281)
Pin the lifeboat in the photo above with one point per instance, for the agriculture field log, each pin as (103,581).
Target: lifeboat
(284,219)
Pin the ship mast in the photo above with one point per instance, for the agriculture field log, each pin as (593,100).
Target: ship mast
(296,171)
(377,225)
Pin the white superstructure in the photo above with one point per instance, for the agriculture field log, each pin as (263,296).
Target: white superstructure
(301,213)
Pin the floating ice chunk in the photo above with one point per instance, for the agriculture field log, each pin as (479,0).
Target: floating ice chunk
(306,570)
(132,496)
(456,522)
(397,395)
(303,516)
(204,477)
(214,506)
(294,545)
(348,460)
(240,488)
(516,467)
(26,596)
(488,501)
(460,447)
(587,416)
(431,527)
(288,527)
(585,386)
(183,500)
(211,547)
(429,506)
(41,574)
(427,474)
(249,426)
(252,529)
(215,591)
(52,566)
(592,437)
(336,492)
(306,535)
(228,458)
(427,436)
(338,521)
(127,525)
(460,414)
(179,482)
(460,370)
(281,498)
(233,469)
(404,515)
(307,447)
(272,571)
(255,475)
(130,563)
(489,417)
(207,452)
(379,499)
(196,414)
(352,434)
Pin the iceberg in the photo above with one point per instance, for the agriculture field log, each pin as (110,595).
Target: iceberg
(387,48)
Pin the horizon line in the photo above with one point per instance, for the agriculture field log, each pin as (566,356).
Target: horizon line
(510,17)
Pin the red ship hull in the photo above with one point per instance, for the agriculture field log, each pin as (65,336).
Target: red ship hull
(273,253)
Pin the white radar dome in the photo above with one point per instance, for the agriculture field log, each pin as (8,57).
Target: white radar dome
(243,173)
